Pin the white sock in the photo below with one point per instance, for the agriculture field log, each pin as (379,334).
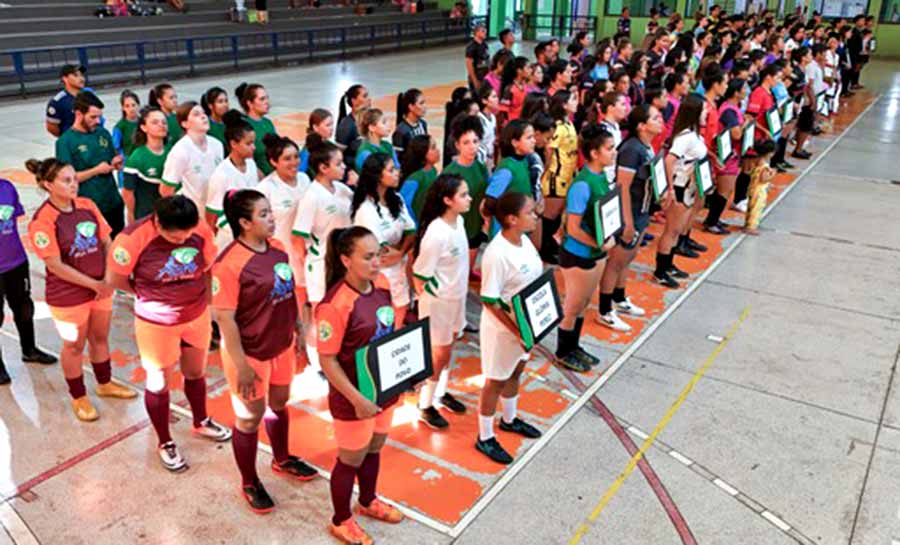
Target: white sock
(485,427)
(442,384)
(426,394)
(509,408)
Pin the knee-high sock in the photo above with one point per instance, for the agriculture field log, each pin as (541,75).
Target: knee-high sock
(244,446)
(102,371)
(367,475)
(76,387)
(158,408)
(741,185)
(663,263)
(342,477)
(195,391)
(277,426)
(716,207)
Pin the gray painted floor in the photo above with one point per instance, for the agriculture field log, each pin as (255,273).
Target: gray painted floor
(796,423)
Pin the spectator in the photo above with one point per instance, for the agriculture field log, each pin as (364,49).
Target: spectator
(477,57)
(623,28)
(60,114)
(88,147)
(507,39)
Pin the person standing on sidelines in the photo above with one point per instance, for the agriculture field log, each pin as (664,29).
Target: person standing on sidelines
(164,97)
(193,158)
(354,101)
(418,172)
(165,260)
(321,122)
(144,166)
(123,132)
(355,311)
(88,147)
(411,110)
(510,263)
(70,235)
(60,109)
(374,127)
(477,57)
(254,100)
(255,307)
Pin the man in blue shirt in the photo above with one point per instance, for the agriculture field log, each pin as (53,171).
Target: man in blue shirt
(60,114)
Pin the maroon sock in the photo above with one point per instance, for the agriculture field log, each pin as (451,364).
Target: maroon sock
(158,408)
(277,424)
(367,474)
(195,391)
(342,477)
(76,387)
(102,371)
(244,446)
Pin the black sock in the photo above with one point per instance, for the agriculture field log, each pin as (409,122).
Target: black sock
(605,306)
(564,344)
(741,186)
(716,207)
(576,333)
(780,150)
(618,295)
(663,263)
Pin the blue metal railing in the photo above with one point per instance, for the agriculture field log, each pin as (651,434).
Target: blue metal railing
(559,26)
(126,61)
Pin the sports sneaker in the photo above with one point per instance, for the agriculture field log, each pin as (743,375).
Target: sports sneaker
(493,450)
(684,251)
(586,356)
(521,427)
(296,468)
(627,307)
(83,409)
(212,430)
(379,510)
(611,320)
(350,532)
(39,356)
(257,498)
(433,419)
(452,404)
(111,389)
(694,245)
(675,272)
(715,229)
(573,362)
(666,280)
(171,457)
(741,206)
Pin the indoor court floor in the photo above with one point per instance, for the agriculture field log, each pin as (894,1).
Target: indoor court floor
(754,406)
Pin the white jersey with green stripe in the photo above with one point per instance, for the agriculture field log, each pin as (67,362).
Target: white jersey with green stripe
(188,168)
(319,212)
(506,269)
(443,260)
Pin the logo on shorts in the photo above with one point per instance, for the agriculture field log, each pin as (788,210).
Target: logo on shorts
(284,283)
(41,240)
(121,256)
(180,265)
(325,330)
(384,322)
(216,285)
(6,221)
(85,239)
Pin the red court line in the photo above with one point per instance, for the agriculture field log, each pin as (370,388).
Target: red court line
(659,489)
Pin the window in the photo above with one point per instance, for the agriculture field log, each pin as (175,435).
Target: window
(890,11)
(641,8)
(841,8)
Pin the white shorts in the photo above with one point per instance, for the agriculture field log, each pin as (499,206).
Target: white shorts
(448,317)
(399,282)
(500,348)
(314,274)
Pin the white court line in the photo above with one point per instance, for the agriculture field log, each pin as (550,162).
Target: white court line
(576,406)
(782,525)
(18,531)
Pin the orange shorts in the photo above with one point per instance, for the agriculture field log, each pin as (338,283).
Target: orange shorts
(278,371)
(356,434)
(160,345)
(69,320)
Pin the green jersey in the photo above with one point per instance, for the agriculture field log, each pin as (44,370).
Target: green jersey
(423,180)
(586,189)
(143,174)
(476,176)
(125,129)
(84,151)
(217,131)
(261,127)
(175,130)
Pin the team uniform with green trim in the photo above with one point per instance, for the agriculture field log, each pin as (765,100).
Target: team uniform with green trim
(319,212)
(476,177)
(506,270)
(389,231)
(143,174)
(84,151)
(443,265)
(261,127)
(189,167)
(225,178)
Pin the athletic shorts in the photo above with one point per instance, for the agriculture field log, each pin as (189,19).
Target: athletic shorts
(447,317)
(278,371)
(554,187)
(686,195)
(68,320)
(500,349)
(160,345)
(732,167)
(357,434)
(806,119)
(315,280)
(567,260)
(478,240)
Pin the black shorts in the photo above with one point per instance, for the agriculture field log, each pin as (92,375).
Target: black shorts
(567,260)
(478,240)
(680,193)
(806,119)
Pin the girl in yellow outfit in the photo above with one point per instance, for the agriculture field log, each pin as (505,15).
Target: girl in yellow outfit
(760,177)
(561,164)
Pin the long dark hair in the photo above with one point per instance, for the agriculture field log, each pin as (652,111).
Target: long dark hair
(367,186)
(405,100)
(246,93)
(414,155)
(139,138)
(345,108)
(510,70)
(320,152)
(238,205)
(688,114)
(445,186)
(275,146)
(513,130)
(209,98)
(557,108)
(235,127)
(510,204)
(157,92)
(341,243)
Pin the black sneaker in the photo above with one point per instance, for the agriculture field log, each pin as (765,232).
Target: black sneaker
(39,356)
(787,165)
(586,356)
(469,328)
(684,251)
(694,245)
(493,450)
(715,229)
(574,363)
(780,168)
(452,404)
(666,280)
(675,272)
(296,468)
(433,419)
(259,500)
(802,154)
(521,427)
(4,376)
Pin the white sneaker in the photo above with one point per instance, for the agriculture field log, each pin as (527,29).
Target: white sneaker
(612,321)
(171,458)
(212,430)
(741,206)
(627,307)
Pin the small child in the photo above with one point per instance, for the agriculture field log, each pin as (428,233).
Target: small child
(760,177)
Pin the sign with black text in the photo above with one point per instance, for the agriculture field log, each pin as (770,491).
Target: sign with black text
(537,309)
(607,216)
(394,363)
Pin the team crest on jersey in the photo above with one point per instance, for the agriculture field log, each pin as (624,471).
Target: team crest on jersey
(331,209)
(284,283)
(325,330)
(454,251)
(104,143)
(82,148)
(121,256)
(41,240)
(197,169)
(180,265)
(151,171)
(216,285)
(384,322)
(6,221)
(85,239)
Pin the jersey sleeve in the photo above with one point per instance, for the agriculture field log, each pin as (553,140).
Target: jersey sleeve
(53,112)
(331,324)
(426,262)
(500,180)
(117,139)
(42,233)
(405,218)
(123,254)
(728,119)
(306,213)
(226,287)
(209,245)
(216,192)
(628,159)
(361,157)
(577,198)
(492,275)
(131,172)
(175,164)
(18,209)
(408,191)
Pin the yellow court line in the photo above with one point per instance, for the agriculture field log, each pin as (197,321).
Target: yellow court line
(632,463)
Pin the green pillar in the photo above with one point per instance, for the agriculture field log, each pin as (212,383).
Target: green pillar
(498,17)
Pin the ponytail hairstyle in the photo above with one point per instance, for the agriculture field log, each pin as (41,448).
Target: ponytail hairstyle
(341,243)
(275,146)
(366,118)
(367,186)
(183,112)
(317,117)
(126,94)
(176,213)
(320,152)
(557,108)
(593,136)
(445,186)
(157,93)
(509,204)
(140,137)
(345,108)
(210,97)
(512,131)
(246,93)
(46,171)
(236,127)
(414,155)
(405,100)
(510,70)
(238,204)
